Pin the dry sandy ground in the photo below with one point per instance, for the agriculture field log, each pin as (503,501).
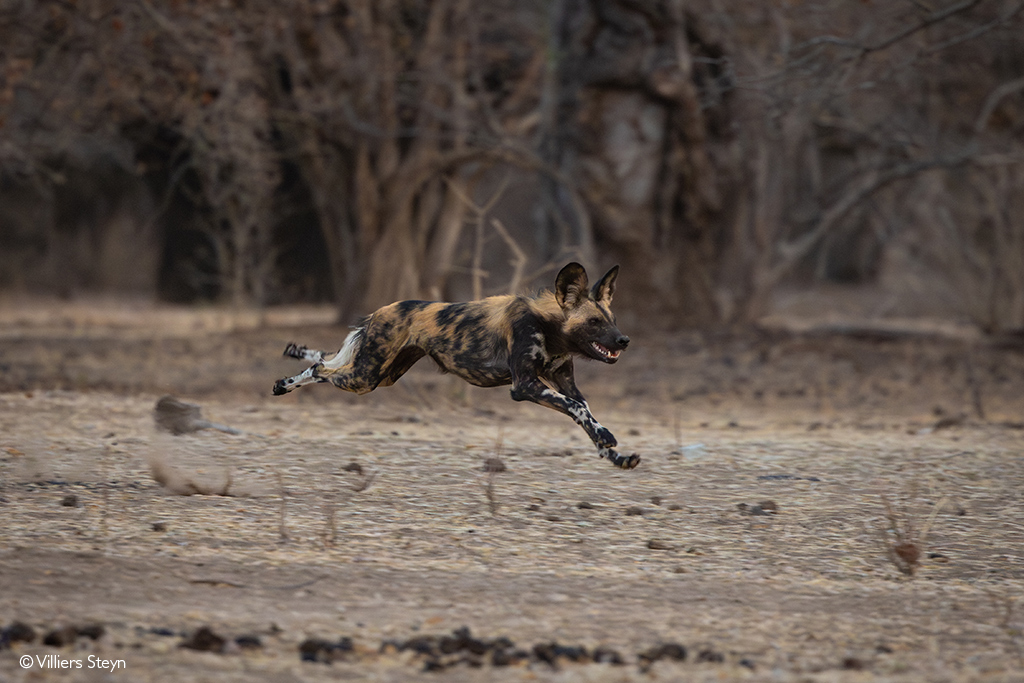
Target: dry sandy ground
(560,547)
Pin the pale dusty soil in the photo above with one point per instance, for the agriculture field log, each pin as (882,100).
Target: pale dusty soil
(824,427)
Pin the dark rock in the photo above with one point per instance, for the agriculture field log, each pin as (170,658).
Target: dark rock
(16,632)
(671,651)
(324,651)
(204,640)
(249,642)
(853,664)
(92,631)
(494,465)
(604,655)
(551,653)
(60,637)
(710,656)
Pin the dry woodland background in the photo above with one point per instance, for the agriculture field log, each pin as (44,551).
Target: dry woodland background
(817,206)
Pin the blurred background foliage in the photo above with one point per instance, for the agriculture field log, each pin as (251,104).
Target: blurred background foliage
(260,152)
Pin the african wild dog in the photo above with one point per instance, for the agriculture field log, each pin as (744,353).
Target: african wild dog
(528,342)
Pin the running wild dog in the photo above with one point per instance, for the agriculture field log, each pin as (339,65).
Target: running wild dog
(528,342)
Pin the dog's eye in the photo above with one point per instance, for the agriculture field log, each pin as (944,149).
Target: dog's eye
(595,321)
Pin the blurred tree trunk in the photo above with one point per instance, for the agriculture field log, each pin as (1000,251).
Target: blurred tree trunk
(632,127)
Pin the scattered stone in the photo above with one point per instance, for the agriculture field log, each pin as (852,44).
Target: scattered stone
(655,544)
(204,640)
(461,639)
(249,642)
(66,635)
(671,651)
(442,652)
(324,651)
(317,650)
(159,526)
(584,505)
(634,510)
(551,653)
(785,477)
(853,664)
(494,465)
(92,631)
(509,656)
(69,501)
(656,500)
(709,656)
(604,655)
(16,632)
(747,663)
(762,509)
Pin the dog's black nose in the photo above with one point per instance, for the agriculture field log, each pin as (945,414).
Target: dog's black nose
(622,341)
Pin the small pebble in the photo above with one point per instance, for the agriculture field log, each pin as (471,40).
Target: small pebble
(204,640)
(494,465)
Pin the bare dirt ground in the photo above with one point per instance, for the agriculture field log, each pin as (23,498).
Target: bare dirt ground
(372,518)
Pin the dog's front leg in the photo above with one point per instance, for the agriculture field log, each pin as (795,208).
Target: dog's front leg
(535,390)
(564,380)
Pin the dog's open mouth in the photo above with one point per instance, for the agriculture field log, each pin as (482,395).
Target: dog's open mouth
(604,352)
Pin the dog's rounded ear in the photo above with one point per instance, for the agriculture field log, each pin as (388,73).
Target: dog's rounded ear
(605,287)
(571,286)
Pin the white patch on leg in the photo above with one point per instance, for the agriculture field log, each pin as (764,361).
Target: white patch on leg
(347,352)
(301,379)
(579,412)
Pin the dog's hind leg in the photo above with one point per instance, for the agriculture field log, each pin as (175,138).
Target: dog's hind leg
(303,353)
(321,369)
(283,386)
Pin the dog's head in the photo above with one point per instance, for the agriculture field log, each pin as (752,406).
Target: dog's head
(589,325)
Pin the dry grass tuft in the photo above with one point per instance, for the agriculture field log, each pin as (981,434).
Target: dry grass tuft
(904,544)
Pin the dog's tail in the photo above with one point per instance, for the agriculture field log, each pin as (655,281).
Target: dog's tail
(348,351)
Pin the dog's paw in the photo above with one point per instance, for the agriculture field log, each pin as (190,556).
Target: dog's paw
(280,387)
(295,351)
(626,462)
